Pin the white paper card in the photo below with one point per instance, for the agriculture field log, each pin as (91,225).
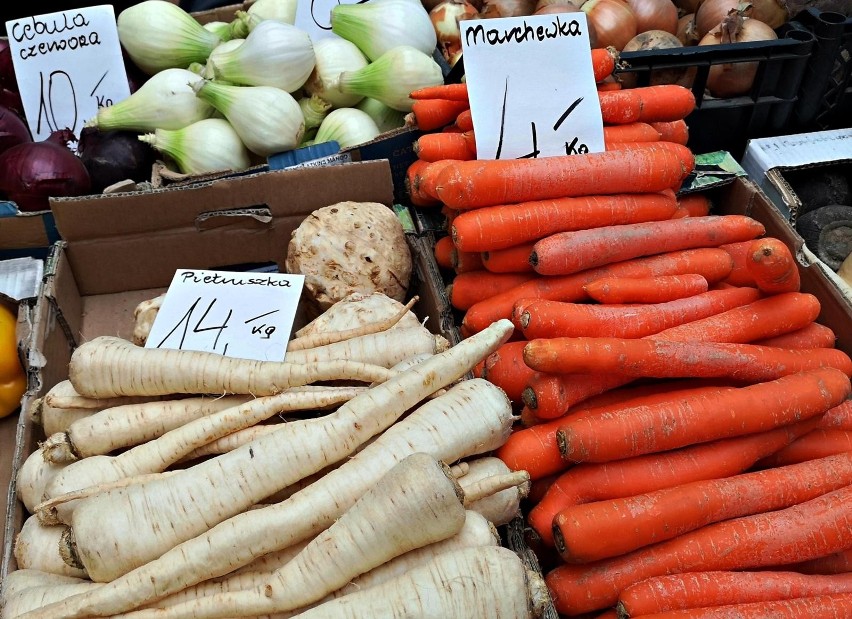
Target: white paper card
(531,86)
(314,16)
(68,65)
(242,315)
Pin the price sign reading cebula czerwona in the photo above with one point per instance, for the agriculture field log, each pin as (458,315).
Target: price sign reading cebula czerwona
(243,315)
(531,86)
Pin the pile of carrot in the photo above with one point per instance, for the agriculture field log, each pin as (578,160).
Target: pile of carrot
(684,416)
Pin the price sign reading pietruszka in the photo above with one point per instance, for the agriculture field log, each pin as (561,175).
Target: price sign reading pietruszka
(531,86)
(243,315)
(67,65)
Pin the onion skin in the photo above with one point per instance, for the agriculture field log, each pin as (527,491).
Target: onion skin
(445,19)
(731,80)
(13,130)
(686,33)
(507,8)
(771,12)
(657,39)
(687,6)
(655,15)
(553,7)
(613,20)
(711,13)
(113,156)
(33,172)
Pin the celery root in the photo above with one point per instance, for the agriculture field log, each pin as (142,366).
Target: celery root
(472,417)
(117,531)
(108,366)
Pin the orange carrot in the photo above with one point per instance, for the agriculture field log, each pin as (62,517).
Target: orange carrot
(646,289)
(696,204)
(469,288)
(740,275)
(607,86)
(432,114)
(464,261)
(464,121)
(609,614)
(444,249)
(648,167)
(713,264)
(772,266)
(603,62)
(509,260)
(829,606)
(551,395)
(586,483)
(662,103)
(820,443)
(838,418)
(672,131)
(836,563)
(451,129)
(599,530)
(427,176)
(436,146)
(655,358)
(806,531)
(699,589)
(632,132)
(412,185)
(569,252)
(647,429)
(540,318)
(505,368)
(813,335)
(499,227)
(452,92)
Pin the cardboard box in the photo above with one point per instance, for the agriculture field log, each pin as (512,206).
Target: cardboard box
(122,249)
(776,163)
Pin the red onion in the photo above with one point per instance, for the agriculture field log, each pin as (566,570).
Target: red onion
(12,100)
(613,21)
(13,130)
(113,156)
(31,173)
(7,69)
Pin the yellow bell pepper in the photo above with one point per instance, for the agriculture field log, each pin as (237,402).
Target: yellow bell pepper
(13,379)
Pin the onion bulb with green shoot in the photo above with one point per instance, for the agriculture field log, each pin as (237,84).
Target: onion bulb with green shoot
(209,145)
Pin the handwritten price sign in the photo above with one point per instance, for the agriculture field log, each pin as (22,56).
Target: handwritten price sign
(244,315)
(68,65)
(314,16)
(531,86)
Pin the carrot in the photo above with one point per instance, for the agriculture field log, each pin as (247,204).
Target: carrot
(586,483)
(806,531)
(412,185)
(505,368)
(452,92)
(696,204)
(540,318)
(740,274)
(814,335)
(836,563)
(595,531)
(820,443)
(609,614)
(499,227)
(464,121)
(695,590)
(466,261)
(646,289)
(632,132)
(711,263)
(772,266)
(607,86)
(509,260)
(437,146)
(570,252)
(472,287)
(697,419)
(828,606)
(551,395)
(672,131)
(839,417)
(432,114)
(444,249)
(649,167)
(663,103)
(451,129)
(655,358)
(603,62)
(425,179)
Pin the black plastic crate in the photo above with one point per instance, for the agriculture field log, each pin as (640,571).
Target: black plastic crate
(825,99)
(728,123)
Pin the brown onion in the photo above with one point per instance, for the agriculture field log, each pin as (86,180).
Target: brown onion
(711,13)
(544,3)
(563,6)
(687,6)
(770,12)
(654,15)
(613,20)
(730,80)
(507,8)
(686,33)
(445,19)
(657,39)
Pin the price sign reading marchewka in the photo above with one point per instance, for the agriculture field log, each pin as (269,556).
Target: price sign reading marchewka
(243,315)
(68,65)
(314,16)
(531,86)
